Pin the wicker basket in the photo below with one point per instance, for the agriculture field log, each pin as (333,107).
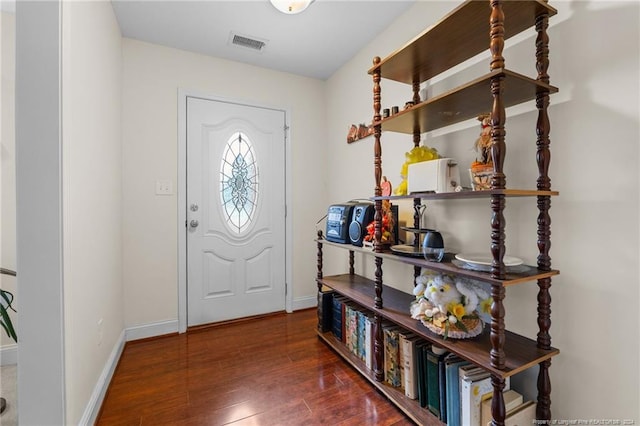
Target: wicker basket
(474,327)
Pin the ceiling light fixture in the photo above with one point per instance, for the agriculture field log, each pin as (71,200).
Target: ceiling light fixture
(291,7)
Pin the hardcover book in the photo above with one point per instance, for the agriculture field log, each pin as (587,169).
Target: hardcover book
(391,356)
(409,367)
(512,399)
(325,309)
(435,356)
(362,319)
(368,345)
(452,363)
(337,316)
(352,335)
(420,355)
(474,386)
(521,415)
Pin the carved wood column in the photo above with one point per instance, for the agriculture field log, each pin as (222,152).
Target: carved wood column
(416,91)
(319,256)
(378,347)
(498,181)
(498,146)
(351,263)
(417,223)
(319,275)
(498,411)
(543,158)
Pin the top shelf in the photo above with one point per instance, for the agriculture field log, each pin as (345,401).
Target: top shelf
(460,35)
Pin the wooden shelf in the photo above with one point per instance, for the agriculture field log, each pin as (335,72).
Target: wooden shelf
(460,35)
(464,102)
(512,278)
(462,195)
(521,352)
(410,407)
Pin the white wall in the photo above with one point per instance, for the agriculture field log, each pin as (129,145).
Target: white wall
(7,164)
(39,214)
(92,188)
(151,78)
(594,146)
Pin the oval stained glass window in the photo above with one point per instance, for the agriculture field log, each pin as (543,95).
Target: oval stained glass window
(239,182)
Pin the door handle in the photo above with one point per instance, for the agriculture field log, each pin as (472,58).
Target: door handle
(194,223)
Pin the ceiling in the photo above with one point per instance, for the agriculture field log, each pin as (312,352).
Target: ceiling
(314,43)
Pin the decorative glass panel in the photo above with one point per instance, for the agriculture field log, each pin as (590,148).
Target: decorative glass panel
(239,182)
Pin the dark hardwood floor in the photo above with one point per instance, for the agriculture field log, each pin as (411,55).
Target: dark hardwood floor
(267,371)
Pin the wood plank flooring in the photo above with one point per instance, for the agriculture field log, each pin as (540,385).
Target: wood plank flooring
(267,371)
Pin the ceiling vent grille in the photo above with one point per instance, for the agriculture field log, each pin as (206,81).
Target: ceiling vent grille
(250,43)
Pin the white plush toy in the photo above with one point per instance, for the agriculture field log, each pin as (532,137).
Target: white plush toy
(472,293)
(441,291)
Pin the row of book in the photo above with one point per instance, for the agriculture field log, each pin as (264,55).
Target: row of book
(454,390)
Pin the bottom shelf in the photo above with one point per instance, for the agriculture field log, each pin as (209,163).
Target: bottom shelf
(410,407)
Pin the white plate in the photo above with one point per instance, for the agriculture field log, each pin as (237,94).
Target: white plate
(487,259)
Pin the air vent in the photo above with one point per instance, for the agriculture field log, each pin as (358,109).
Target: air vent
(248,42)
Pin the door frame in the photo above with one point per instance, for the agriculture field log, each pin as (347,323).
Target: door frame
(181,186)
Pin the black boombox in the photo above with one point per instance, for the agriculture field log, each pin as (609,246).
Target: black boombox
(347,223)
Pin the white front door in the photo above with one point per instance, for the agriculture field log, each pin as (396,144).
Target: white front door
(235,210)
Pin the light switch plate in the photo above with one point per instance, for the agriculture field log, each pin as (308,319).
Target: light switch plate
(164,187)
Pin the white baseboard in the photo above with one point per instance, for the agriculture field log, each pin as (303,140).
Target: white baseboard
(151,330)
(133,333)
(92,409)
(305,303)
(9,354)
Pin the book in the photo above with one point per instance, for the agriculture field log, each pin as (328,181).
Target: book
(452,364)
(344,320)
(420,358)
(400,357)
(435,356)
(442,386)
(325,309)
(522,415)
(391,355)
(361,318)
(409,367)
(336,316)
(475,385)
(346,338)
(368,341)
(512,399)
(351,336)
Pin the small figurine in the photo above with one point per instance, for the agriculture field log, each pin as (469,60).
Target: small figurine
(385,186)
(482,170)
(352,135)
(483,143)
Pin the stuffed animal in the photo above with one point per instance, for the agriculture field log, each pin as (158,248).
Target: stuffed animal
(473,294)
(441,291)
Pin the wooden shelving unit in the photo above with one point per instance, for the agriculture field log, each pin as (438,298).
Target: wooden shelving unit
(471,28)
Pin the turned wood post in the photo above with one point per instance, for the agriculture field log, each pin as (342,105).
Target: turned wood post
(498,181)
(417,223)
(351,263)
(543,157)
(378,349)
(319,277)
(319,257)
